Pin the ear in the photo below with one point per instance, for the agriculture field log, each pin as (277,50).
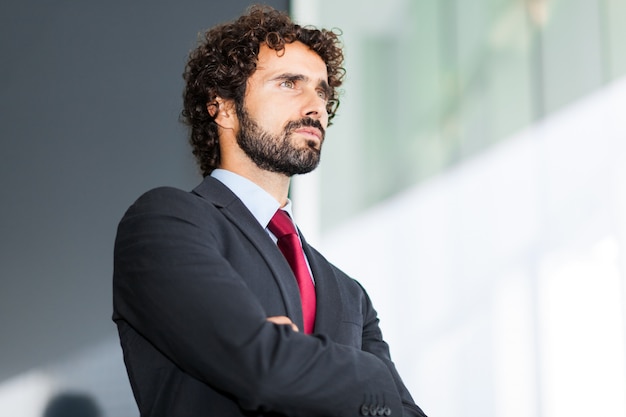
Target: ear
(223,111)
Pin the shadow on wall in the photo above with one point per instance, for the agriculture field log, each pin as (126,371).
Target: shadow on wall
(70,404)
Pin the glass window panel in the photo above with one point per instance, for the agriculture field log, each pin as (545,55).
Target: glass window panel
(613,20)
(433,82)
(571,51)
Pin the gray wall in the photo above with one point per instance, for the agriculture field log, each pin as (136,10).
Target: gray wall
(90,94)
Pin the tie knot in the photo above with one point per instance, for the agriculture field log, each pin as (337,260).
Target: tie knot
(281,224)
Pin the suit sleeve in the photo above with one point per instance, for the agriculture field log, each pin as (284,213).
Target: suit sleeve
(173,285)
(373,342)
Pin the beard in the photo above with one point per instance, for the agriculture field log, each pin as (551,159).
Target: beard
(277,153)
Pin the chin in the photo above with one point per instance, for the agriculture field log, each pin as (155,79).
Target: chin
(313,144)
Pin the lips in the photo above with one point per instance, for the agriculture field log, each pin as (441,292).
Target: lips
(310,128)
(310,131)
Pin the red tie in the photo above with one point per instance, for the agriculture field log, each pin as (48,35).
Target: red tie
(289,244)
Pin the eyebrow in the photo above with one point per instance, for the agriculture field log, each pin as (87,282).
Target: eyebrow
(300,77)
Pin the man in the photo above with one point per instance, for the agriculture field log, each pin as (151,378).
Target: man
(217,315)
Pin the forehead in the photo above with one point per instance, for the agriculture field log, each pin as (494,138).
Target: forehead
(296,58)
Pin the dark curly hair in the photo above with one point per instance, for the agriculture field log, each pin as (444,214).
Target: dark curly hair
(227,56)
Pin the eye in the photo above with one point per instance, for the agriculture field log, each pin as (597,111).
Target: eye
(322,94)
(288,84)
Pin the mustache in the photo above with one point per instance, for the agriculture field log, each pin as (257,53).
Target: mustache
(305,122)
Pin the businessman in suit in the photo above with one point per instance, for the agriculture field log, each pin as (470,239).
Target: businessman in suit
(222,307)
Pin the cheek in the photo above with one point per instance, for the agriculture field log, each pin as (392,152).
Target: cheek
(268,117)
(324,120)
(277,117)
(274,122)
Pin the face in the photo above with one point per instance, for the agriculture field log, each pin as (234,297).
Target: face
(283,119)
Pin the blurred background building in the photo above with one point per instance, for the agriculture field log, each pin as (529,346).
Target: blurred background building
(474,182)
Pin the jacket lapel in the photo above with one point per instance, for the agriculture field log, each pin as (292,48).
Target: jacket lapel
(236,212)
(329,302)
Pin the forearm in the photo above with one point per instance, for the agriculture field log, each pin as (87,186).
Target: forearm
(373,342)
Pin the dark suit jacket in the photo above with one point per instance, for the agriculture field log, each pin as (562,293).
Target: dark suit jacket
(196,276)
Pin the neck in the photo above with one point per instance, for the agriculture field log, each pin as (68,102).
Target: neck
(277,185)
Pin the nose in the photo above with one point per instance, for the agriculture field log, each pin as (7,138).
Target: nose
(315,107)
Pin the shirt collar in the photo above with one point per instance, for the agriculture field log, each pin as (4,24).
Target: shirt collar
(260,203)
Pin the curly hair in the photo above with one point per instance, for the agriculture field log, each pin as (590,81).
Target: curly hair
(227,56)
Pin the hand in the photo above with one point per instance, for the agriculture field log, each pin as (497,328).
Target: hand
(283,320)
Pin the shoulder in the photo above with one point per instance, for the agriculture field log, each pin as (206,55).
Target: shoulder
(210,192)
(203,208)
(165,200)
(166,215)
(161,196)
(164,206)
